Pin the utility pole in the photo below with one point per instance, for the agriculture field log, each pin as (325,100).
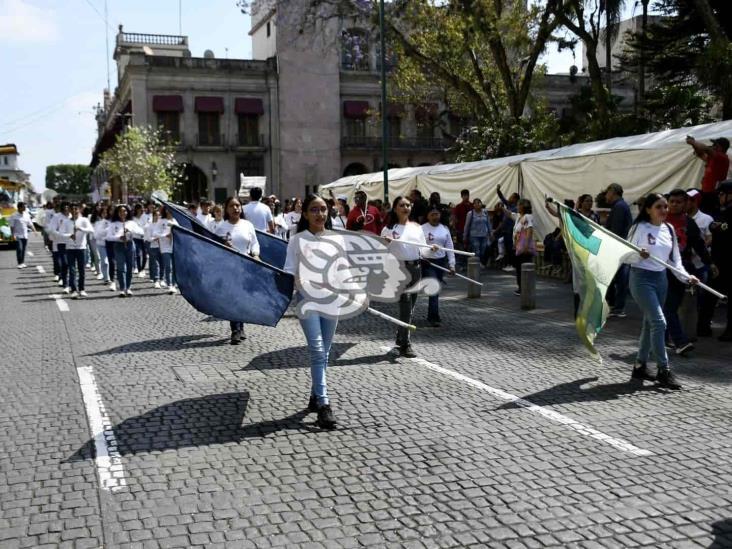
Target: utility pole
(384,110)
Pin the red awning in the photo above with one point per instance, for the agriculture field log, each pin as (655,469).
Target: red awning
(356,109)
(249,105)
(394,110)
(426,111)
(209,104)
(167,103)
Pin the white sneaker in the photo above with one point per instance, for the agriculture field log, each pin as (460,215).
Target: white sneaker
(134,271)
(112,286)
(83,293)
(141,274)
(21,266)
(129,293)
(163,285)
(56,278)
(67,290)
(172,291)
(60,282)
(74,295)
(156,285)
(100,276)
(122,294)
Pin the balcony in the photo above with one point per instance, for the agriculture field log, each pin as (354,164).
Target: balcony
(248,141)
(396,143)
(210,140)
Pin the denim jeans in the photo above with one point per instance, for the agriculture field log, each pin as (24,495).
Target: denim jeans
(236,326)
(674,297)
(109,246)
(140,254)
(155,264)
(168,276)
(103,262)
(124,257)
(319,332)
(22,244)
(428,271)
(94,255)
(407,303)
(63,264)
(618,289)
(478,245)
(75,259)
(648,289)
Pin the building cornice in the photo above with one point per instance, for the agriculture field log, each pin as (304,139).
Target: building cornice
(259,24)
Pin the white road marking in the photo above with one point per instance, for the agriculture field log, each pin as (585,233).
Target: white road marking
(530,406)
(108,459)
(41,269)
(62,305)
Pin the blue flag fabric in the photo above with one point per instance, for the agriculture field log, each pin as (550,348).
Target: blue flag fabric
(219,281)
(272,250)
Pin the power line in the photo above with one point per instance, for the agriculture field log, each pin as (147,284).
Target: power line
(99,13)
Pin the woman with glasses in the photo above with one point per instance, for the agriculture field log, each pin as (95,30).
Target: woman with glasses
(398,230)
(319,330)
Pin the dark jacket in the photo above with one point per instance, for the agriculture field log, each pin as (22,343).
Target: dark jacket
(722,239)
(619,220)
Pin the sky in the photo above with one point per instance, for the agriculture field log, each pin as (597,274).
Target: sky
(53,65)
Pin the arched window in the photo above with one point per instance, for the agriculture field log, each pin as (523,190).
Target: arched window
(355,50)
(355,168)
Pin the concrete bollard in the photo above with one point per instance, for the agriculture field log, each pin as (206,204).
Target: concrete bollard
(528,286)
(474,273)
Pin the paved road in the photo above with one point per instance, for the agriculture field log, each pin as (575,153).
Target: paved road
(503,434)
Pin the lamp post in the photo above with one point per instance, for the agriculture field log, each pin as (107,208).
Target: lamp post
(384,120)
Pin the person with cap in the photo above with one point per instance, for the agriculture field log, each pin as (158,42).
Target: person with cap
(618,222)
(436,232)
(363,217)
(721,275)
(715,169)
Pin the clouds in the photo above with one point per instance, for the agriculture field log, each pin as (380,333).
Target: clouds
(23,22)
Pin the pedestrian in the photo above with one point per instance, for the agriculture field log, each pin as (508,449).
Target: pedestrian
(100,222)
(164,235)
(418,212)
(238,233)
(278,216)
(584,206)
(618,222)
(20,223)
(523,238)
(109,246)
(76,230)
(205,216)
(257,213)
(648,285)
(292,218)
(61,266)
(155,260)
(400,229)
(478,231)
(319,329)
(363,217)
(716,166)
(217,212)
(435,232)
(459,214)
(140,249)
(505,229)
(122,232)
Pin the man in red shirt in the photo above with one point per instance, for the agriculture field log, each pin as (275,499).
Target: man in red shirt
(459,214)
(715,170)
(363,217)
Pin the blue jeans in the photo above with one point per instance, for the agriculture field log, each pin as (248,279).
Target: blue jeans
(168,276)
(75,259)
(103,262)
(140,254)
(124,257)
(674,297)
(22,244)
(478,245)
(155,264)
(59,258)
(319,332)
(618,290)
(648,289)
(109,246)
(428,271)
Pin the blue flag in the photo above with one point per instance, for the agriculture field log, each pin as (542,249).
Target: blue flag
(224,283)
(272,250)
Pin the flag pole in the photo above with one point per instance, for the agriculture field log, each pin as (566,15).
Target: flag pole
(391,319)
(440,267)
(386,239)
(637,249)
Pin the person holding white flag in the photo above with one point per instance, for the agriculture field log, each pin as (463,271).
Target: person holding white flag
(649,284)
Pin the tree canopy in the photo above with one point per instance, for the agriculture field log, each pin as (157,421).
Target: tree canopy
(69,178)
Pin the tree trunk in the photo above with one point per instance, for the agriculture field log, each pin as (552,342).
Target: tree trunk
(642,66)
(608,51)
(598,90)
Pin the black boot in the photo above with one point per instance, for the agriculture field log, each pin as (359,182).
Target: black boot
(667,379)
(312,404)
(407,351)
(235,337)
(326,419)
(640,371)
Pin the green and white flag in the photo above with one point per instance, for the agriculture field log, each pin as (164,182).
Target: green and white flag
(596,255)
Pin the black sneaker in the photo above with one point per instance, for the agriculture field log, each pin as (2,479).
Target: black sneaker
(407,351)
(667,379)
(640,371)
(326,419)
(312,404)
(235,337)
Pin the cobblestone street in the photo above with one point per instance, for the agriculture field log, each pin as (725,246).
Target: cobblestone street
(504,433)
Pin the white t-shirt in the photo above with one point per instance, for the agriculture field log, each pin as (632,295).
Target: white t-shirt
(411,232)
(703,221)
(281,228)
(204,218)
(116,230)
(80,228)
(20,223)
(163,233)
(660,242)
(141,222)
(213,225)
(521,222)
(441,236)
(339,221)
(100,231)
(150,237)
(242,236)
(258,214)
(292,219)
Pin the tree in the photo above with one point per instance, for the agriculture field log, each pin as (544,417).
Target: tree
(144,161)
(68,178)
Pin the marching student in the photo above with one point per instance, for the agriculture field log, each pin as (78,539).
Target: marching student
(217,219)
(109,247)
(205,217)
(20,222)
(165,238)
(140,218)
(101,224)
(319,330)
(649,284)
(153,244)
(122,231)
(60,265)
(399,228)
(239,234)
(76,230)
(436,233)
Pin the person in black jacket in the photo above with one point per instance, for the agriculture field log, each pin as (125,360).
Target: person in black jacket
(721,271)
(689,239)
(618,222)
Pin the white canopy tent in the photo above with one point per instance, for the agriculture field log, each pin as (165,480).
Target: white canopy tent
(658,161)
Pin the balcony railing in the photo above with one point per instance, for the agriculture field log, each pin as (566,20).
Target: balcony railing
(411,143)
(154,39)
(210,140)
(247,140)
